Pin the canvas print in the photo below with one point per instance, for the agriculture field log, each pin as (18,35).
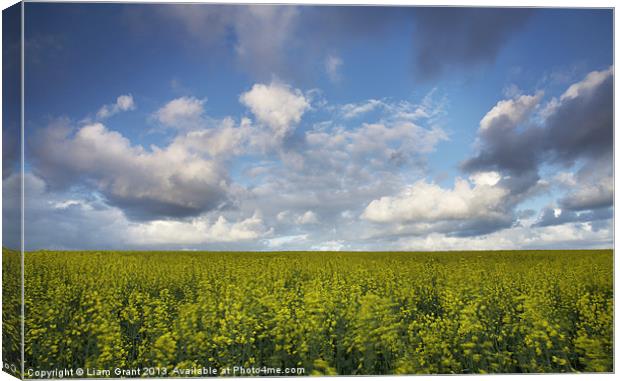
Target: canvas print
(194,190)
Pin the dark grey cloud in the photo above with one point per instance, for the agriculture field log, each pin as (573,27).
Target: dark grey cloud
(457,228)
(481,227)
(582,127)
(151,207)
(598,198)
(266,40)
(549,216)
(339,24)
(147,184)
(579,127)
(592,186)
(514,151)
(576,129)
(448,38)
(85,221)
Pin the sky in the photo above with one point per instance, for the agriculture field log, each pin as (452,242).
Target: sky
(260,127)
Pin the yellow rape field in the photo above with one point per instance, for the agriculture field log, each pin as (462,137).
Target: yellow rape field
(326,312)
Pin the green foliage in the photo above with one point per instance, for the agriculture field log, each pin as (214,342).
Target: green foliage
(330,313)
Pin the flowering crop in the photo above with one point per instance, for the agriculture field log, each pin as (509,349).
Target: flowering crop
(329,313)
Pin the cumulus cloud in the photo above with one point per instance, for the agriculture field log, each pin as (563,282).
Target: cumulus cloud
(225,139)
(168,182)
(504,147)
(197,231)
(428,202)
(455,38)
(358,175)
(123,103)
(309,217)
(278,106)
(520,136)
(85,221)
(577,126)
(592,81)
(509,113)
(183,112)
(327,169)
(288,217)
(338,168)
(581,125)
(377,144)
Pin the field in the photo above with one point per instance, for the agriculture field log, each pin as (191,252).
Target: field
(327,313)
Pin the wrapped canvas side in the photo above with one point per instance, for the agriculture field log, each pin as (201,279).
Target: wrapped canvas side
(12,190)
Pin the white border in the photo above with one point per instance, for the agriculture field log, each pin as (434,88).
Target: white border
(510,3)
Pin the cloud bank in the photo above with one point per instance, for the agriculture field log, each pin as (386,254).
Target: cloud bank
(294,172)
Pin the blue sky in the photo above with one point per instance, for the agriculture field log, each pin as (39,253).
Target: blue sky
(283,127)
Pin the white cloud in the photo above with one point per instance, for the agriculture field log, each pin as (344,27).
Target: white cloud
(184,112)
(69,203)
(196,231)
(353,110)
(382,143)
(508,113)
(309,217)
(278,242)
(592,81)
(583,88)
(360,178)
(123,103)
(395,111)
(224,139)
(283,216)
(287,217)
(329,246)
(565,179)
(277,105)
(428,202)
(332,67)
(485,178)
